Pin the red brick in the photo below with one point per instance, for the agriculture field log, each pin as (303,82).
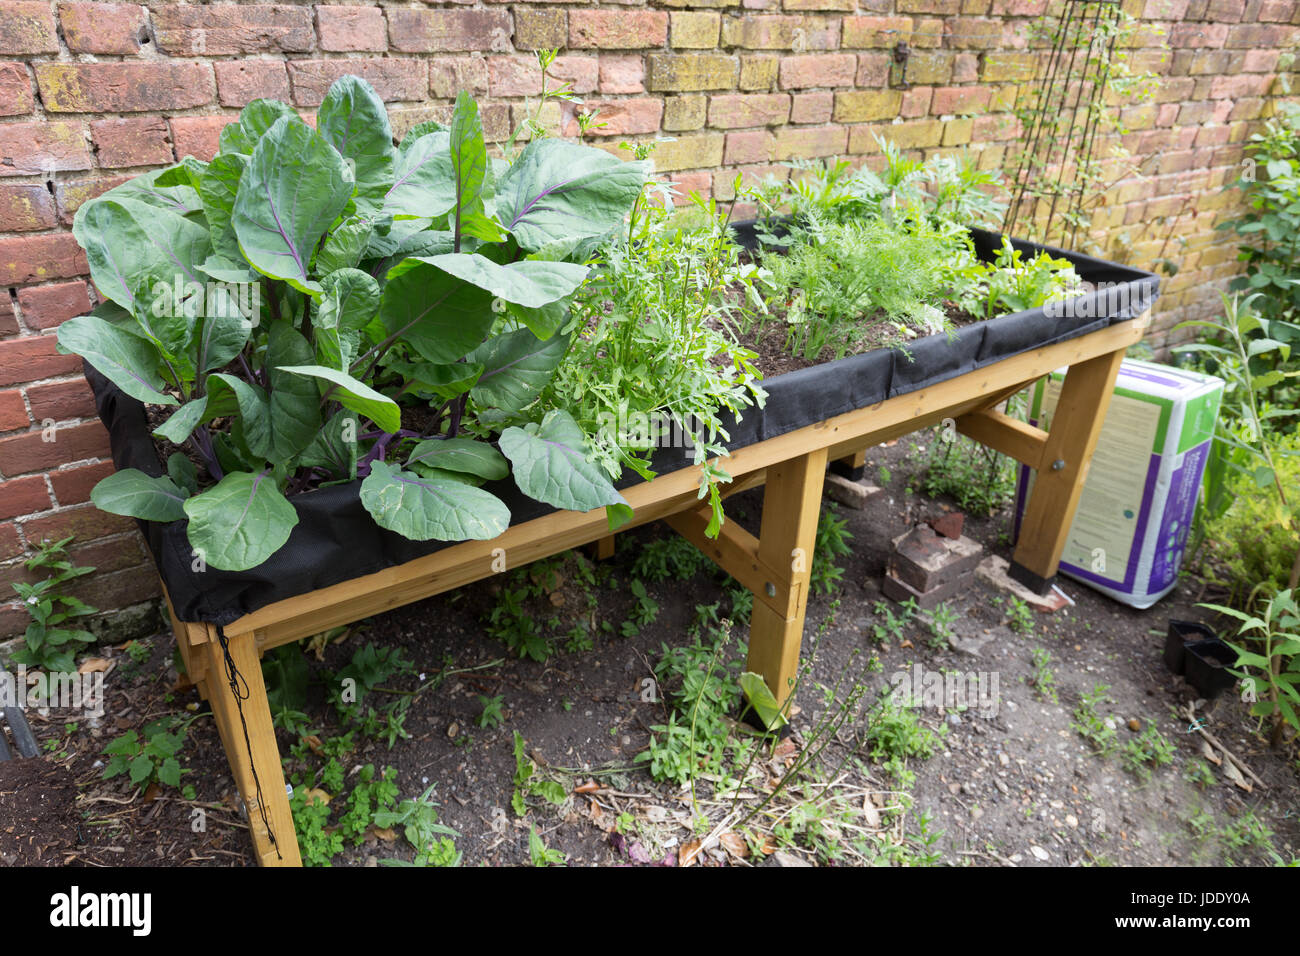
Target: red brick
(959,99)
(62,401)
(37,258)
(35,149)
(803,72)
(131,142)
(1261,61)
(10,544)
(45,306)
(812,107)
(861,33)
(800,34)
(84,522)
(873,69)
(32,358)
(519,76)
(687,183)
(617,30)
(239,82)
(123,87)
(351,29)
(1185,35)
(22,496)
(72,485)
(1258,36)
(916,102)
(15,90)
(619,117)
(965,68)
(13,413)
(112,28)
(28,452)
(809,143)
(8,321)
(26,208)
(393,79)
(27,26)
(118,588)
(448,75)
(198,136)
(622,74)
(735,111)
(71,194)
(448,31)
(749,147)
(13,621)
(1233,87)
(230,29)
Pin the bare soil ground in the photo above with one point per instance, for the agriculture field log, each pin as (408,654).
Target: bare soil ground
(1018,786)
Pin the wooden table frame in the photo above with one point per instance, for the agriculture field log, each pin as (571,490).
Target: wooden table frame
(774,565)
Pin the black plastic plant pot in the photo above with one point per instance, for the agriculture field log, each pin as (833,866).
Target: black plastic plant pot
(1180,633)
(335,538)
(1206,667)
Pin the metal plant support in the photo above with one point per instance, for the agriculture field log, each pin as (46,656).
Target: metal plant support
(1060,119)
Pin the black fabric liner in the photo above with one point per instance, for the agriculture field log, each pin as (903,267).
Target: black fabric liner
(336,540)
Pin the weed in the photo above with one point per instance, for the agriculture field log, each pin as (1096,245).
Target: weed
(1020,616)
(831,543)
(1043,677)
(528,782)
(1089,724)
(490,716)
(890,626)
(671,557)
(1149,749)
(941,621)
(48,641)
(540,854)
(431,840)
(151,755)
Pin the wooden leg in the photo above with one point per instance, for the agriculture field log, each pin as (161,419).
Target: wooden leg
(791,507)
(605,548)
(250,745)
(1067,452)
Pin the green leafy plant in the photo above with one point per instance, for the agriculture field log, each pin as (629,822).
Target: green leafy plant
(1149,749)
(49,642)
(890,626)
(1271,658)
(290,299)
(1091,725)
(150,756)
(1043,677)
(1270,227)
(529,783)
(703,690)
(540,854)
(1249,452)
(490,715)
(653,362)
(671,557)
(433,842)
(1020,616)
(941,622)
(831,543)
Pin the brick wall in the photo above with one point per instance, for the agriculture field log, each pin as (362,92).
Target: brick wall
(91,93)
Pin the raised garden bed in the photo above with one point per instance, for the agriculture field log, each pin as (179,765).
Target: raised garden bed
(337,540)
(333,555)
